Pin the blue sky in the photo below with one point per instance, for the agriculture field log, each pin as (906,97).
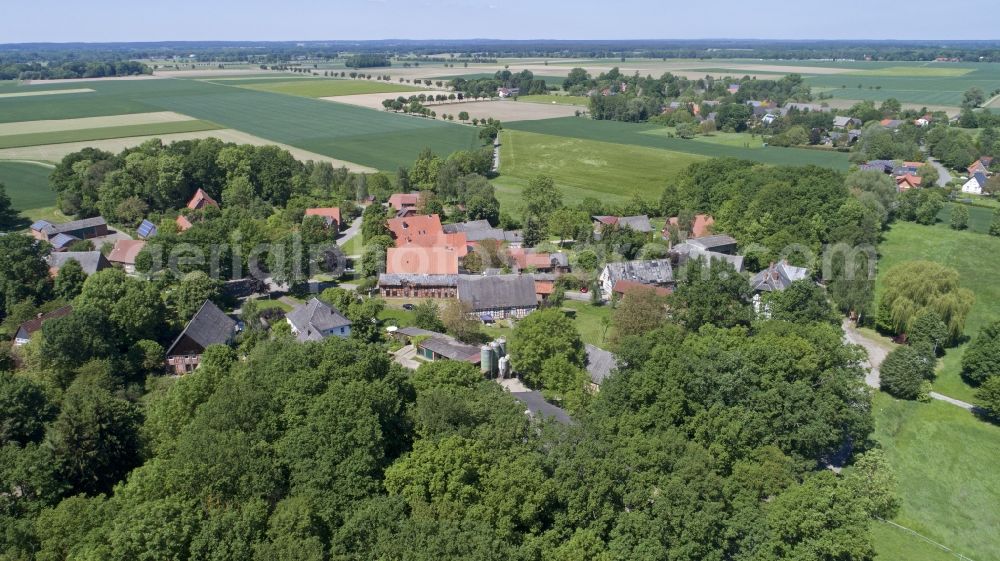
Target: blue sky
(137,20)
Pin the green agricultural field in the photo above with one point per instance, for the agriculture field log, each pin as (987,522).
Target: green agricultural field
(329,88)
(555,98)
(103,133)
(734,139)
(550,80)
(922,85)
(27,185)
(598,169)
(355,134)
(914,71)
(632,134)
(973,255)
(944,459)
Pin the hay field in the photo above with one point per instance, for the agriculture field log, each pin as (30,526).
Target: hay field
(56,152)
(54,125)
(507,111)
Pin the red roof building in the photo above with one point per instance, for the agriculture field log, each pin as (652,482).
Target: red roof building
(183,224)
(200,200)
(701,227)
(426,231)
(415,260)
(331,214)
(908,181)
(624,287)
(403,201)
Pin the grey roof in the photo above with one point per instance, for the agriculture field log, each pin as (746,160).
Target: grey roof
(657,271)
(398,279)
(842,121)
(497,291)
(685,251)
(313,318)
(90,261)
(513,236)
(600,363)
(209,326)
(450,348)
(710,243)
(60,241)
(537,407)
(466,226)
(50,229)
(778,276)
(638,223)
(414,332)
(476,230)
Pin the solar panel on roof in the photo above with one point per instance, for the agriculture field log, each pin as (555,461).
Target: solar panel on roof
(147,229)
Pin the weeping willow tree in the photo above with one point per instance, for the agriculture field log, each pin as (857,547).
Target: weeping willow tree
(915,286)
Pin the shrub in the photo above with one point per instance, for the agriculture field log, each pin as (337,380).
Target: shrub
(905,369)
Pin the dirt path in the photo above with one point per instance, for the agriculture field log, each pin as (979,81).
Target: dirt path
(877,353)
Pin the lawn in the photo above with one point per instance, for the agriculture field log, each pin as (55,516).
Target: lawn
(373,138)
(924,85)
(979,218)
(103,133)
(328,88)
(944,460)
(27,185)
(556,98)
(974,256)
(354,246)
(633,134)
(588,322)
(605,170)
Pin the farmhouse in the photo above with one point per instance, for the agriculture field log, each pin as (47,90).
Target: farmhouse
(124,254)
(657,272)
(404,201)
(426,231)
(635,223)
(90,261)
(201,200)
(701,226)
(778,276)
(415,260)
(498,296)
(80,229)
(845,122)
(417,286)
(908,181)
(624,287)
(316,320)
(330,215)
(525,259)
(981,165)
(718,243)
(684,252)
(209,326)
(975,184)
(24,331)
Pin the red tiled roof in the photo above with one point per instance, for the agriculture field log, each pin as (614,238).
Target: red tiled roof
(525,259)
(421,261)
(426,231)
(626,286)
(701,227)
(125,251)
(399,201)
(201,200)
(909,180)
(332,213)
(183,223)
(544,287)
(33,325)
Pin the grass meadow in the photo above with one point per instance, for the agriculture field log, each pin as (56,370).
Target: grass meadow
(973,255)
(944,460)
(556,98)
(633,134)
(27,185)
(605,170)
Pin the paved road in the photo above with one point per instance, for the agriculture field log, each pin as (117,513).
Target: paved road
(350,232)
(877,353)
(944,176)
